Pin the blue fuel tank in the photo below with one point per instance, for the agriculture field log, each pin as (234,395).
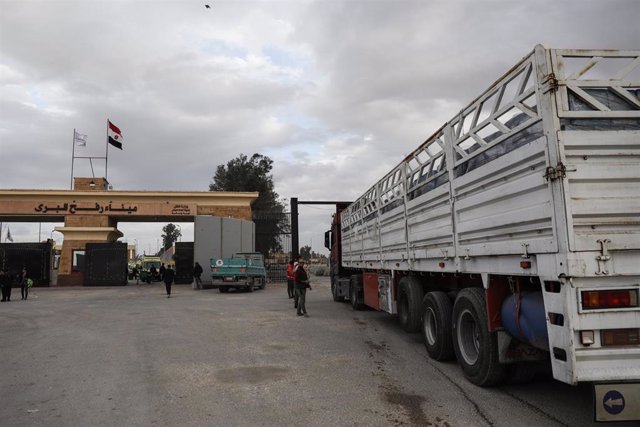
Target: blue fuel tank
(533,324)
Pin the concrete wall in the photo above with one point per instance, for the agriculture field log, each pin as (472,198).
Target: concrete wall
(216,237)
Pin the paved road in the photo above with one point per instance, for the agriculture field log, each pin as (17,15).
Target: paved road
(130,356)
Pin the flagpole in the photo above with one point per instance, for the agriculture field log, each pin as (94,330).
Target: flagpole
(106,156)
(73,153)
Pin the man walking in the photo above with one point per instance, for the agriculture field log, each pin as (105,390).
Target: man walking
(168,280)
(197,272)
(301,285)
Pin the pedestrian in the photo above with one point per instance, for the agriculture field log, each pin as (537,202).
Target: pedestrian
(168,280)
(5,283)
(295,294)
(162,271)
(136,274)
(197,272)
(290,279)
(301,285)
(24,286)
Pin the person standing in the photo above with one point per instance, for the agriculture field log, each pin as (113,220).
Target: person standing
(168,280)
(162,271)
(5,284)
(295,294)
(197,272)
(290,279)
(301,285)
(24,289)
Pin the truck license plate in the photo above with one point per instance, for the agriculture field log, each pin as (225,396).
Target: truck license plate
(228,279)
(616,402)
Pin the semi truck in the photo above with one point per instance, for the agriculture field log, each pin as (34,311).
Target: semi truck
(511,236)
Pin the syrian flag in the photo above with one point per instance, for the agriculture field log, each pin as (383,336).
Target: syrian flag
(115,136)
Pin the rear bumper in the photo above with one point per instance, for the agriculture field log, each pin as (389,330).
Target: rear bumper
(603,364)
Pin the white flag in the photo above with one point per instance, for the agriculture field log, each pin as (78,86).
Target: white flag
(80,139)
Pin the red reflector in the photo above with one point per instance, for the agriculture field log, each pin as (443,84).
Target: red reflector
(441,264)
(612,337)
(242,270)
(525,264)
(609,299)
(215,270)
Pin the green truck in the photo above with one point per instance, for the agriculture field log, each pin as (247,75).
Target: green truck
(245,270)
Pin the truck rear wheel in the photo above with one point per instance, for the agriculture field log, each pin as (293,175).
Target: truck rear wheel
(476,348)
(436,325)
(223,289)
(410,304)
(334,290)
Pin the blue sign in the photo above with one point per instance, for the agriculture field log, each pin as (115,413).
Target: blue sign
(613,402)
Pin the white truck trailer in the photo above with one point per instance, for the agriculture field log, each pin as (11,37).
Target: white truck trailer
(512,234)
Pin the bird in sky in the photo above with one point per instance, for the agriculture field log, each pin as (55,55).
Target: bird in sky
(207,6)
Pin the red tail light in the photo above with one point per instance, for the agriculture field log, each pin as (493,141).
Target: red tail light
(214,270)
(242,270)
(592,300)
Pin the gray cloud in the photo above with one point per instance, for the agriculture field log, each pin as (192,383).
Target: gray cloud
(336,92)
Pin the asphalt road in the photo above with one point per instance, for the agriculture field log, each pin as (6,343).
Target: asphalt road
(129,356)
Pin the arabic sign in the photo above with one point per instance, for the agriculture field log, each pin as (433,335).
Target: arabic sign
(181,210)
(74,207)
(117,207)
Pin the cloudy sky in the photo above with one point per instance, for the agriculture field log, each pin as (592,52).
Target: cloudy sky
(335,92)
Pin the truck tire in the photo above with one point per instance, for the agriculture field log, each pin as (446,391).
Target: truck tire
(436,325)
(410,304)
(476,348)
(354,292)
(223,289)
(263,283)
(334,290)
(250,287)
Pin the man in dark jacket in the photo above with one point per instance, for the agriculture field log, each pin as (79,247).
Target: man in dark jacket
(5,283)
(168,280)
(197,272)
(301,285)
(162,271)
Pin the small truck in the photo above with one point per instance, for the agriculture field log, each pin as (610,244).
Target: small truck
(245,270)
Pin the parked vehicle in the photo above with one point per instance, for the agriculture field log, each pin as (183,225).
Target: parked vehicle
(245,270)
(150,271)
(512,235)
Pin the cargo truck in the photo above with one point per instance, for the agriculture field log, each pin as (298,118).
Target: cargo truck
(511,236)
(245,270)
